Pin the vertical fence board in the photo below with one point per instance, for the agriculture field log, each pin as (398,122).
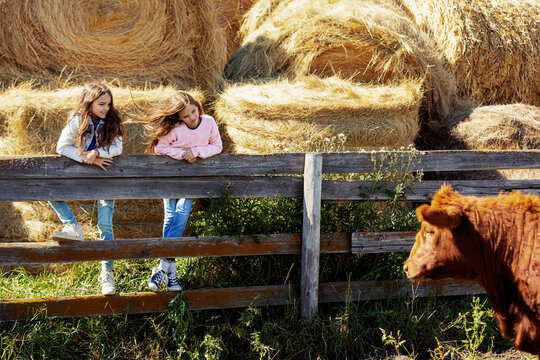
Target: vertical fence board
(311,235)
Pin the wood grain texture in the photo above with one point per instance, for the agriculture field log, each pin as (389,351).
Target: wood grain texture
(245,245)
(276,164)
(311,233)
(239,187)
(382,242)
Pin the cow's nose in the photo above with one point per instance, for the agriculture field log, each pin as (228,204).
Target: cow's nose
(405,268)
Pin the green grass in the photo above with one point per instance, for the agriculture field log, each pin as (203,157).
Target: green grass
(417,328)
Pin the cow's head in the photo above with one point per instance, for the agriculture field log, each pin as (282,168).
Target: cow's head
(436,252)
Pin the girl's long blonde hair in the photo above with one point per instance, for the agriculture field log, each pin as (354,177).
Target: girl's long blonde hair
(160,121)
(112,127)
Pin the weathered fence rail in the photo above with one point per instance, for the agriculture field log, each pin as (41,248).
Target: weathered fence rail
(226,298)
(142,176)
(232,164)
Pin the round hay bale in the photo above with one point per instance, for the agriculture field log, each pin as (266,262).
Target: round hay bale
(500,127)
(33,119)
(231,13)
(492,47)
(125,211)
(37,221)
(520,174)
(366,41)
(495,127)
(139,42)
(29,230)
(289,116)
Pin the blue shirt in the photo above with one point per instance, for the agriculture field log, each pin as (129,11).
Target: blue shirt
(93,144)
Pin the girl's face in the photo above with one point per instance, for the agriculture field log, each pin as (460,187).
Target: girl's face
(190,115)
(101,106)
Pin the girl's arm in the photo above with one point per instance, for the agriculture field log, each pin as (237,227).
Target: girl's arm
(214,146)
(164,146)
(110,151)
(66,144)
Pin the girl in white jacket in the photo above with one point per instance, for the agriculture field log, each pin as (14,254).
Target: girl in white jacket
(93,135)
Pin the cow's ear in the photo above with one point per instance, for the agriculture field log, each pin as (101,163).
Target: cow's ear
(448,217)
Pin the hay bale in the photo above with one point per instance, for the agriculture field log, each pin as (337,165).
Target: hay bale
(260,11)
(500,127)
(37,221)
(290,116)
(367,41)
(125,211)
(29,230)
(492,47)
(495,127)
(154,41)
(33,119)
(231,13)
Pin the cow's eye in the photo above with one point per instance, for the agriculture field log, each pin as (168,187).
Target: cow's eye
(430,232)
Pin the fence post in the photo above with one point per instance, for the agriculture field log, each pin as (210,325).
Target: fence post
(311,235)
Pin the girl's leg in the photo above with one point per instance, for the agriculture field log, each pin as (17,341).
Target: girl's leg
(183,208)
(105,215)
(64,213)
(71,230)
(176,214)
(169,210)
(176,217)
(105,226)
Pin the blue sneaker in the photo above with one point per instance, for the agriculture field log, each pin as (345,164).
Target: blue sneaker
(172,278)
(157,278)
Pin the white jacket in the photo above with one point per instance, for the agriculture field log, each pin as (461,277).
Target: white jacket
(67,144)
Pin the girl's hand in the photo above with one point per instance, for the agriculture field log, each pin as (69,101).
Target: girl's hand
(90,156)
(188,155)
(102,162)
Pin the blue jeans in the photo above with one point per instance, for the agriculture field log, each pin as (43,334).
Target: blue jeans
(175,218)
(105,211)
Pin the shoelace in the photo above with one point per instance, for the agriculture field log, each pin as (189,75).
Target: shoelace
(173,282)
(157,278)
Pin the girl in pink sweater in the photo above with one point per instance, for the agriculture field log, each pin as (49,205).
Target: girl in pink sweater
(183,132)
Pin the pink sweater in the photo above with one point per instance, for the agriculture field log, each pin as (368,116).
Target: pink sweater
(204,140)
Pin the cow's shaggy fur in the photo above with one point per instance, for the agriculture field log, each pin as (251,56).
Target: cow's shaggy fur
(494,241)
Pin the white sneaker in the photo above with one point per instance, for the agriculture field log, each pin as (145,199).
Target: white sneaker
(70,232)
(172,278)
(107,282)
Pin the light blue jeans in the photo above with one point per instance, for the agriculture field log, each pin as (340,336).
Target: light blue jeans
(105,211)
(175,218)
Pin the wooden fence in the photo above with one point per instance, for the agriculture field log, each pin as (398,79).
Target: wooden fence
(146,176)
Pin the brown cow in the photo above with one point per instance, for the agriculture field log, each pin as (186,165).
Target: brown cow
(492,240)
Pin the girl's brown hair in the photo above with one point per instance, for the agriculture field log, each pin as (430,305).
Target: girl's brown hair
(112,127)
(161,121)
